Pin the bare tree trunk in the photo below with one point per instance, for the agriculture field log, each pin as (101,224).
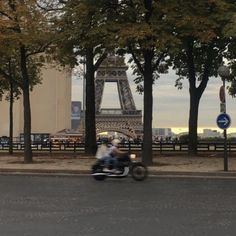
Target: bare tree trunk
(11,119)
(90,122)
(193,123)
(196,93)
(148,109)
(28,156)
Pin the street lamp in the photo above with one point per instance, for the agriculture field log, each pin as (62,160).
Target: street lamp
(224,72)
(223,119)
(83,61)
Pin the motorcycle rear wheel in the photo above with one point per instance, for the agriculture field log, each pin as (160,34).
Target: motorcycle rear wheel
(139,172)
(99,177)
(98,169)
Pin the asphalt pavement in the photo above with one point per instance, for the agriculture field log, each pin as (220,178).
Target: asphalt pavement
(65,164)
(78,205)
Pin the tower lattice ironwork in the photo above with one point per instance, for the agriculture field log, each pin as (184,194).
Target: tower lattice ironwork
(127,119)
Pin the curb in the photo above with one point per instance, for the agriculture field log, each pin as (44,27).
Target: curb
(44,172)
(152,173)
(193,174)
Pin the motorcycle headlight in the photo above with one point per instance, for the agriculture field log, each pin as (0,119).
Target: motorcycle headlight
(132,156)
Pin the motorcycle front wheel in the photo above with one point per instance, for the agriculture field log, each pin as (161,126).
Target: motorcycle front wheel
(139,171)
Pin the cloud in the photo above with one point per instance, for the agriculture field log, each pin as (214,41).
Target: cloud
(170,105)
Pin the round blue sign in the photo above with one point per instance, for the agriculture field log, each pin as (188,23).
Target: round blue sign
(223,121)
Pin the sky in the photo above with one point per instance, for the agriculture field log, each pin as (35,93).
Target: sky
(170,105)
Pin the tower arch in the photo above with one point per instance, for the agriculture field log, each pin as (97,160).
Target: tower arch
(127,119)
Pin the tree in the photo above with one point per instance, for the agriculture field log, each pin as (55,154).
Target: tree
(9,74)
(145,35)
(26,31)
(87,34)
(199,27)
(230,32)
(11,84)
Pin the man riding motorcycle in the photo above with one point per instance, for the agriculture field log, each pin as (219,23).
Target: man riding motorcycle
(111,156)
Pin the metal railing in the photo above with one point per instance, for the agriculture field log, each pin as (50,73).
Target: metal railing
(160,147)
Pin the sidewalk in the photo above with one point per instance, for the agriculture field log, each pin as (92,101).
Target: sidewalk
(78,164)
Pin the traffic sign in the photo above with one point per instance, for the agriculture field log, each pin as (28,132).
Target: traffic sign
(223,121)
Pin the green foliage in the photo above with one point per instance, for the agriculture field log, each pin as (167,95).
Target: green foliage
(144,34)
(24,24)
(143,29)
(9,82)
(232,139)
(184,138)
(84,24)
(86,31)
(212,139)
(26,30)
(202,24)
(232,88)
(231,56)
(202,45)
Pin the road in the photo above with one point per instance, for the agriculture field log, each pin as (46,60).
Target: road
(80,206)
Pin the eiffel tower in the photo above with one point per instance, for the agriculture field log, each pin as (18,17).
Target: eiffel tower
(127,119)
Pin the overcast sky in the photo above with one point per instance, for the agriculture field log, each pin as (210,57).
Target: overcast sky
(170,105)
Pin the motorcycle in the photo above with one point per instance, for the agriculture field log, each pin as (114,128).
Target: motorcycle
(126,165)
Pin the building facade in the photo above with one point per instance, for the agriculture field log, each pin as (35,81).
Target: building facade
(208,133)
(162,132)
(50,105)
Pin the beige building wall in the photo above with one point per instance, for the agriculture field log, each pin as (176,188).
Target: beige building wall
(50,105)
(4,117)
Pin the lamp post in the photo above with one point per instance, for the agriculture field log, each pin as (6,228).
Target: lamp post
(83,61)
(224,72)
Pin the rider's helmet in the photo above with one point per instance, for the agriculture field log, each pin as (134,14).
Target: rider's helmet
(115,142)
(104,141)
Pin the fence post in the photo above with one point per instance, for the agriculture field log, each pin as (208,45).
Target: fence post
(50,146)
(129,148)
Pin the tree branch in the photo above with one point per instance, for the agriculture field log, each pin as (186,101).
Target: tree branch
(100,60)
(4,74)
(6,15)
(190,63)
(158,61)
(40,49)
(137,62)
(207,68)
